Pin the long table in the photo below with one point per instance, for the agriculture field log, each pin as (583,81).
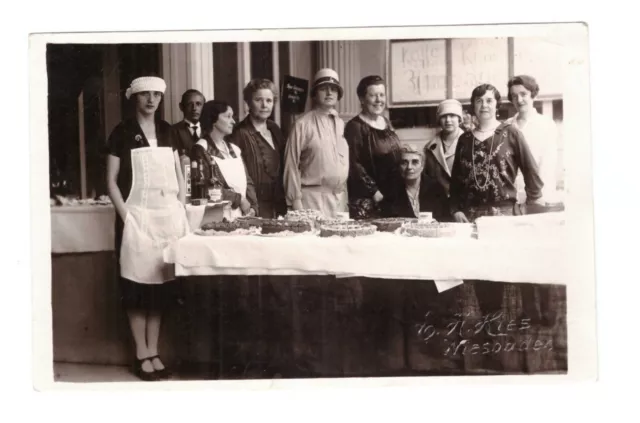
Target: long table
(367,306)
(308,307)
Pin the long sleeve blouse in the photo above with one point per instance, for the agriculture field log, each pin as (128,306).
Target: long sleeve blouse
(484,172)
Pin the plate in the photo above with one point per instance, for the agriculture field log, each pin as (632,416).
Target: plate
(286,234)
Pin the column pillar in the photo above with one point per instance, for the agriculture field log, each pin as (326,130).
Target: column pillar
(186,66)
(344,58)
(111,84)
(244,76)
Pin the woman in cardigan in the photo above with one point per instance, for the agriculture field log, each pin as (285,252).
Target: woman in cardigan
(374,151)
(487,162)
(223,160)
(262,145)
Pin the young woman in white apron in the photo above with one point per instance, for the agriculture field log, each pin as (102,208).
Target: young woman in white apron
(223,160)
(145,185)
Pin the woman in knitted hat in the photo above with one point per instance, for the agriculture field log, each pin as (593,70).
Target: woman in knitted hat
(374,151)
(487,162)
(440,151)
(145,184)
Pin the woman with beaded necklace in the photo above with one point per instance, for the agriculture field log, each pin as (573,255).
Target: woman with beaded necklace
(487,162)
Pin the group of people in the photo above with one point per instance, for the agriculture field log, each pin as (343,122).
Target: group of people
(360,167)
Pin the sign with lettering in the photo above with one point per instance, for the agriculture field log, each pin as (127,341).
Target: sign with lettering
(294,94)
(418,71)
(477,61)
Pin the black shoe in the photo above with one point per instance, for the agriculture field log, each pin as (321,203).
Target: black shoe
(162,374)
(146,376)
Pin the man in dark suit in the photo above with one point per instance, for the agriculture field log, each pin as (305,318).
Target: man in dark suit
(187,132)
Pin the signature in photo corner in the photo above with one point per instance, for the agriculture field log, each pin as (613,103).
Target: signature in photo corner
(492,324)
(502,335)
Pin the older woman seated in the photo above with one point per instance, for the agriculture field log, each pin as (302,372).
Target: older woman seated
(417,191)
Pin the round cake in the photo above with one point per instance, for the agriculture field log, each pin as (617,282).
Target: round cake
(437,230)
(274,226)
(391,224)
(347,229)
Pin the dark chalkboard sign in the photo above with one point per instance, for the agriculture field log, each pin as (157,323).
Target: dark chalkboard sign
(294,94)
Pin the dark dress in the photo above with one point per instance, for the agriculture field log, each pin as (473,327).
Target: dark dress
(484,173)
(212,172)
(264,164)
(124,138)
(373,155)
(432,196)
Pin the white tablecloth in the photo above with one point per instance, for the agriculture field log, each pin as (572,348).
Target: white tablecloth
(381,255)
(91,228)
(82,229)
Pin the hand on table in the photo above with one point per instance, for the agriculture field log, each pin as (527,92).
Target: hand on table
(245,205)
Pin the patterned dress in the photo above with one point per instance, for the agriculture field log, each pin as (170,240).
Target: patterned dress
(484,173)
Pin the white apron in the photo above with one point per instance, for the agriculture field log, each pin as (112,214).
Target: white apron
(235,175)
(155,216)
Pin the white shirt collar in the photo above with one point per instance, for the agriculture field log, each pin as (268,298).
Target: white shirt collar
(197,124)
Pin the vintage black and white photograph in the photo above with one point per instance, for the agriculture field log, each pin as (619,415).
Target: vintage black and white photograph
(391,204)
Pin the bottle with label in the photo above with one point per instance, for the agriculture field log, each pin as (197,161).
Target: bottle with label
(185,163)
(197,181)
(215,189)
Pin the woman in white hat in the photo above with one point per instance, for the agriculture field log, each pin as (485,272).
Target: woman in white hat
(145,184)
(374,151)
(487,161)
(440,151)
(317,154)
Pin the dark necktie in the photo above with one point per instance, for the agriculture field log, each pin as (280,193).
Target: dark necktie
(195,136)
